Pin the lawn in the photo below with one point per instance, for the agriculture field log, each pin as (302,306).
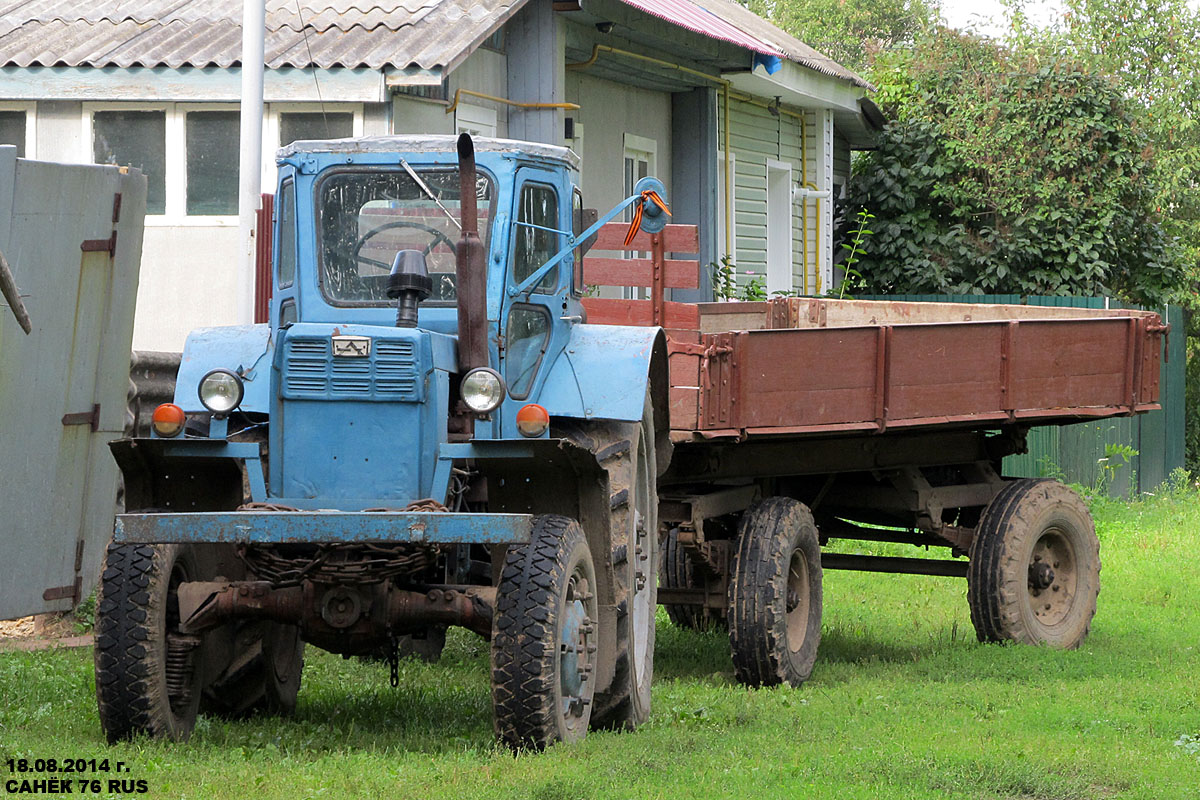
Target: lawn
(904,703)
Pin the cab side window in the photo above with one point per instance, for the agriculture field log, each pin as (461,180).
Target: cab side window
(538,206)
(287,234)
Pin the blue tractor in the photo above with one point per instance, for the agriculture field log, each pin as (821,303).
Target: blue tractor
(427,433)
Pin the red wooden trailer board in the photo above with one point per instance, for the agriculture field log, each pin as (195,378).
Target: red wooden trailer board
(816,366)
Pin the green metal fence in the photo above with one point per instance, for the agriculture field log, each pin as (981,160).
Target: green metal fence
(1093,453)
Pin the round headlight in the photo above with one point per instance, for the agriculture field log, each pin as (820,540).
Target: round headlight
(221,391)
(482,389)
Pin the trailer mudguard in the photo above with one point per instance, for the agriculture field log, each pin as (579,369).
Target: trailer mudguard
(244,349)
(605,371)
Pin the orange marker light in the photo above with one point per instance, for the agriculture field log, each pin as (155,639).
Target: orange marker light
(168,420)
(532,420)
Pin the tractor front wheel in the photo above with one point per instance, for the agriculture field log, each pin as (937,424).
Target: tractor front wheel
(544,638)
(147,671)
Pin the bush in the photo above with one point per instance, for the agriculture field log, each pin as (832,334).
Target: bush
(1008,172)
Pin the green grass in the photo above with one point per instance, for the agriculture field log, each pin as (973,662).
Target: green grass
(903,704)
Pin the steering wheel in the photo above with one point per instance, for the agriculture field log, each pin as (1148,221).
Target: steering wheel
(438,237)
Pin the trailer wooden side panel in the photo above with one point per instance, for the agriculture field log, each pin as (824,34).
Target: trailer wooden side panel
(818,366)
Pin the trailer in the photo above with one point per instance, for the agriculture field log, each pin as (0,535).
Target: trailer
(431,433)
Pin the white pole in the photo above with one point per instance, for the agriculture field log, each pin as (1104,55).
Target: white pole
(250,159)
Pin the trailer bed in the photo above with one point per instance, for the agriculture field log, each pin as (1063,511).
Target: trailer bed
(811,366)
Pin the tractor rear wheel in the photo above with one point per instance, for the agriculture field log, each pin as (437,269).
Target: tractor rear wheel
(1034,572)
(627,452)
(263,675)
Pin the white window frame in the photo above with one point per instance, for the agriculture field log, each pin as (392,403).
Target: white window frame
(637,148)
(779,226)
(270,172)
(30,110)
(475,120)
(175,178)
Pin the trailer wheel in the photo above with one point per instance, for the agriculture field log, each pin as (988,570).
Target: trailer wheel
(1034,571)
(678,572)
(775,594)
(147,676)
(264,674)
(544,638)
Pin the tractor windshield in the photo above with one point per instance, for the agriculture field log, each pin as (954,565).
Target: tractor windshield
(367,216)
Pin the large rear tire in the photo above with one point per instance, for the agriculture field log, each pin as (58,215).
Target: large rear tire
(544,638)
(628,454)
(775,594)
(1034,572)
(147,672)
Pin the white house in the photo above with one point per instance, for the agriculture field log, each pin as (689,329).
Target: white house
(697,92)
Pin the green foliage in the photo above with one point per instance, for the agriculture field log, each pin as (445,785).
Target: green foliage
(853,279)
(724,278)
(84,615)
(1009,171)
(850,32)
(1115,457)
(755,289)
(1152,48)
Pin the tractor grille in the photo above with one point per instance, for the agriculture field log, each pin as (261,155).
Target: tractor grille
(311,372)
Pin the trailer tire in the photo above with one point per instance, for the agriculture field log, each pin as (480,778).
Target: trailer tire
(147,678)
(543,638)
(775,594)
(1034,572)
(678,572)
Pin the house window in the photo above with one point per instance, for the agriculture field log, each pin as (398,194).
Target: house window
(212,162)
(475,120)
(12,130)
(135,139)
(297,126)
(640,155)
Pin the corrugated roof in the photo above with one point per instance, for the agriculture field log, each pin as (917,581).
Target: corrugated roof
(423,34)
(426,34)
(692,17)
(788,45)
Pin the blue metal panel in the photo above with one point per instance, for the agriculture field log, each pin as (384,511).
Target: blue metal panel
(388,372)
(278,527)
(358,447)
(243,348)
(602,374)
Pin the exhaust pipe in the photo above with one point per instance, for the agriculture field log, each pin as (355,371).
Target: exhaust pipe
(471,266)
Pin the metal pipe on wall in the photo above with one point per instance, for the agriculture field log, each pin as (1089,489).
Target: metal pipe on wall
(250,154)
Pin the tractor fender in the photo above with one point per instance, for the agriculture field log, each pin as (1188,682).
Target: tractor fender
(244,349)
(605,371)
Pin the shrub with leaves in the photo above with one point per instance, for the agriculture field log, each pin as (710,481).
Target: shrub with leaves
(1008,172)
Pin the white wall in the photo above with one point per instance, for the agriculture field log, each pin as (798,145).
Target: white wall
(608,111)
(189,280)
